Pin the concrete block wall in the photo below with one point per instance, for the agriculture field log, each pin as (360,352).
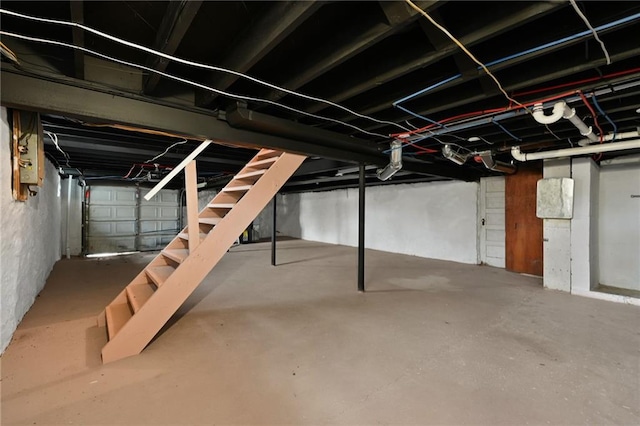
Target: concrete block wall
(437,220)
(30,243)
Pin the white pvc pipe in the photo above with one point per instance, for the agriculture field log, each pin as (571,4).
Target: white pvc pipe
(609,138)
(177,169)
(570,114)
(542,118)
(562,110)
(70,181)
(570,152)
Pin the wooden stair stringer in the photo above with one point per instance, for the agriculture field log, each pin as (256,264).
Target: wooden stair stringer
(153,315)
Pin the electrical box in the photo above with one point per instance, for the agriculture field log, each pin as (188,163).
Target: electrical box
(554,198)
(29,149)
(27,153)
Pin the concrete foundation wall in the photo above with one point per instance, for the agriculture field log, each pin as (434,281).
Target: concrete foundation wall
(30,242)
(436,220)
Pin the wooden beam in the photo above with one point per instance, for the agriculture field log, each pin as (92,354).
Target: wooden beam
(257,42)
(77,16)
(327,56)
(175,23)
(191,182)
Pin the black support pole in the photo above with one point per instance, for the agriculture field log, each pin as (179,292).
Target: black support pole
(361,231)
(273,231)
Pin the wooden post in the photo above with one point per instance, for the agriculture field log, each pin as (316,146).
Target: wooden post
(191,182)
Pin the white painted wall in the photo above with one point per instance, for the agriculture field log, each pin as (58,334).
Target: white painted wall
(619,226)
(437,220)
(30,239)
(557,237)
(584,225)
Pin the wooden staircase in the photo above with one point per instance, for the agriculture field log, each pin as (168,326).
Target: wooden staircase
(136,315)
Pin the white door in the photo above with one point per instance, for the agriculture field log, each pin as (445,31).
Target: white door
(491,223)
(119,219)
(619,226)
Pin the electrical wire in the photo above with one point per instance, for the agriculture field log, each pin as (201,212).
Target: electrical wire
(8,53)
(604,114)
(504,129)
(54,139)
(182,142)
(595,33)
(192,83)
(204,66)
(465,50)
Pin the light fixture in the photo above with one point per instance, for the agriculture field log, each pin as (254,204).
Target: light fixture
(454,155)
(479,138)
(395,161)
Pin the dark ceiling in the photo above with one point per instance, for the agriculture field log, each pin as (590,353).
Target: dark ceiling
(363,55)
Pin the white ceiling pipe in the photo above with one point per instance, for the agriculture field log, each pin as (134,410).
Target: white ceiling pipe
(570,114)
(609,138)
(542,118)
(570,152)
(562,110)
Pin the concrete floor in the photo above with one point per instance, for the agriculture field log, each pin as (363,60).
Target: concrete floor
(431,342)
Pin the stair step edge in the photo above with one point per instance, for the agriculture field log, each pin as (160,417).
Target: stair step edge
(138,294)
(250,174)
(159,274)
(117,316)
(178,255)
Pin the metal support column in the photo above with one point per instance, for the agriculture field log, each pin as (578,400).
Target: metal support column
(361,230)
(273,231)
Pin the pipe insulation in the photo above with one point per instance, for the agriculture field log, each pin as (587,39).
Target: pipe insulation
(570,152)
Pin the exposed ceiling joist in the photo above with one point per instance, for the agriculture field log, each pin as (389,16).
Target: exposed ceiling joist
(175,23)
(77,16)
(257,42)
(370,79)
(325,59)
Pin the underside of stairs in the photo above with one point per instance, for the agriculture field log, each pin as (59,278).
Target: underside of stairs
(136,315)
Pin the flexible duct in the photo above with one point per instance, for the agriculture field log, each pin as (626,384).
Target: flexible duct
(570,152)
(497,166)
(395,162)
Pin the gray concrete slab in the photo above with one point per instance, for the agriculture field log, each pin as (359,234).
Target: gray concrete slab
(431,342)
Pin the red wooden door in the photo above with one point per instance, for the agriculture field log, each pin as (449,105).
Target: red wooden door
(523,241)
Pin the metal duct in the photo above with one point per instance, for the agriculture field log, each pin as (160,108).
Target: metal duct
(395,162)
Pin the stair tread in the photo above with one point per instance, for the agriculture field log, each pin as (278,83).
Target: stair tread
(250,174)
(221,205)
(179,255)
(185,235)
(159,274)
(138,294)
(117,316)
(264,152)
(238,188)
(263,162)
(210,220)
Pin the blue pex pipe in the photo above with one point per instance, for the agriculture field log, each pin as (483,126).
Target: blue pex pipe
(603,27)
